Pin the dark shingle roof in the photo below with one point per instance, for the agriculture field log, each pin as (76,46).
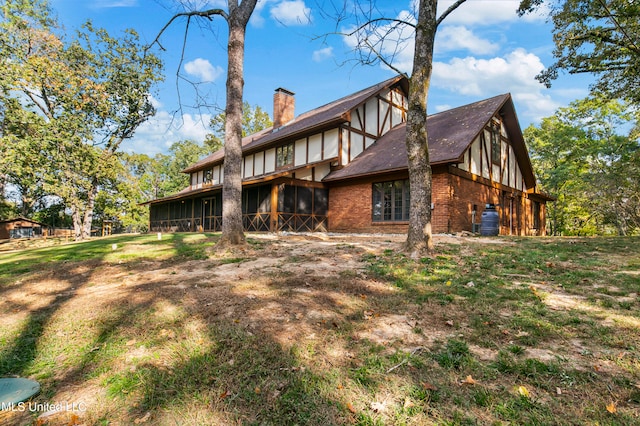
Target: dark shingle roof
(450,134)
(332,113)
(23,219)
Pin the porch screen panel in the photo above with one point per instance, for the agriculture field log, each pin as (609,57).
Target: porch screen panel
(217,210)
(304,200)
(212,213)
(177,210)
(250,200)
(256,200)
(160,211)
(320,201)
(197,208)
(286,199)
(256,208)
(302,209)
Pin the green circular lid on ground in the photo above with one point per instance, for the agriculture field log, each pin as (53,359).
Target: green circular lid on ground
(16,390)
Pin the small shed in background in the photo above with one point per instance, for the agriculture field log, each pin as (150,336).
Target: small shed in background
(21,227)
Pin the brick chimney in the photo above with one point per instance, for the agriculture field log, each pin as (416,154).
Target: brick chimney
(283,107)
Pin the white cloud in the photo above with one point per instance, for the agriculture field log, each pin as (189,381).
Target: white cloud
(322,54)
(155,102)
(515,73)
(472,76)
(442,107)
(535,106)
(451,38)
(257,20)
(486,12)
(158,133)
(291,12)
(203,69)
(395,42)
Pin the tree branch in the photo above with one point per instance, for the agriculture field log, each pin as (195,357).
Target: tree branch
(373,21)
(631,45)
(383,60)
(448,11)
(204,14)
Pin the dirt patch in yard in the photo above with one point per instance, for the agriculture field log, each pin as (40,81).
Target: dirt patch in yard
(313,296)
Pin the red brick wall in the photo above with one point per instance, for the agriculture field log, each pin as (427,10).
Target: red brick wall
(453,198)
(350,207)
(441,200)
(465,194)
(350,210)
(514,209)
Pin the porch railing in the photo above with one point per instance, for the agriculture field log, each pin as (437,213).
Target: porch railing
(258,222)
(302,222)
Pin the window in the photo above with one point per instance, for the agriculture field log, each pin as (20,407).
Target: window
(208,176)
(495,143)
(535,212)
(284,155)
(391,201)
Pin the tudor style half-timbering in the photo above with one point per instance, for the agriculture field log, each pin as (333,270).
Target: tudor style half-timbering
(284,166)
(343,167)
(478,157)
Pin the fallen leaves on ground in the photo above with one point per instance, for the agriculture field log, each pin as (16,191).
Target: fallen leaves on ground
(523,391)
(143,419)
(469,380)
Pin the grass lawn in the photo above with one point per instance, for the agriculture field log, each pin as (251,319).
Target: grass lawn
(318,330)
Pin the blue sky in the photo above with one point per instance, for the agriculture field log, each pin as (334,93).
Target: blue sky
(482,49)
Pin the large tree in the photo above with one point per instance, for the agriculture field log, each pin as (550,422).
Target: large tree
(21,161)
(88,95)
(588,156)
(600,37)
(237,17)
(373,37)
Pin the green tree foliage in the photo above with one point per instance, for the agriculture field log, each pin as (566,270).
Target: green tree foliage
(119,200)
(254,119)
(181,155)
(596,36)
(593,170)
(139,178)
(81,99)
(21,162)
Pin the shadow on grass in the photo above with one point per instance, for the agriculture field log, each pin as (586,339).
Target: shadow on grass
(183,348)
(20,351)
(141,352)
(245,378)
(70,269)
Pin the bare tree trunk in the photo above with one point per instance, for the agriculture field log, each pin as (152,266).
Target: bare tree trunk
(232,229)
(419,238)
(88,213)
(77,223)
(3,183)
(26,204)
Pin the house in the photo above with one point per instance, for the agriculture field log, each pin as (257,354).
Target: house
(21,227)
(343,167)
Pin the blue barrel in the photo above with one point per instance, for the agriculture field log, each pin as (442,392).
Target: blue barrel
(490,223)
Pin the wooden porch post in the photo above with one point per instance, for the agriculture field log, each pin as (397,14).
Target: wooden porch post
(274,208)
